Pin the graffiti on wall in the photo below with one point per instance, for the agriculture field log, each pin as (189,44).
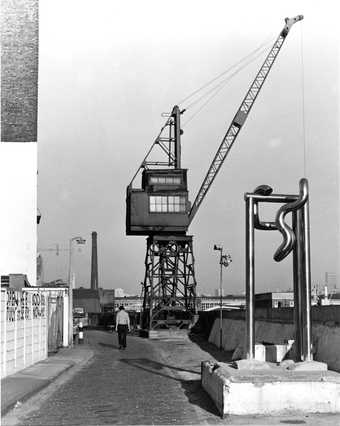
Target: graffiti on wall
(23,305)
(38,305)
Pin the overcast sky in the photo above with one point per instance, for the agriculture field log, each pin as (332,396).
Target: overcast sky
(109,69)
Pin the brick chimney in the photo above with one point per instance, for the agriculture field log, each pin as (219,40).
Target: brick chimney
(94,263)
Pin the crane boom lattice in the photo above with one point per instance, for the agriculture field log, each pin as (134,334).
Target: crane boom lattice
(241,116)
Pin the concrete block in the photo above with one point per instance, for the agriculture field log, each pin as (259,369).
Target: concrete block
(276,353)
(309,366)
(273,391)
(251,364)
(260,352)
(265,353)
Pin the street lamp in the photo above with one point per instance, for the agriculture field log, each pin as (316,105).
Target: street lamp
(78,240)
(225,260)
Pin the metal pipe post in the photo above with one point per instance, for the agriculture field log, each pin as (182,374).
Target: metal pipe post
(221,314)
(176,113)
(70,296)
(307,324)
(250,279)
(297,259)
(301,280)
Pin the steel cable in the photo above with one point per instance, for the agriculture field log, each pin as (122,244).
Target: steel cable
(262,46)
(217,88)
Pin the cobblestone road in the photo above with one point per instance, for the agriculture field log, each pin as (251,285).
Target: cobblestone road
(135,386)
(150,383)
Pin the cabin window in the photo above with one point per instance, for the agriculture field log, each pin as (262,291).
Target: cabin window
(167,204)
(164,180)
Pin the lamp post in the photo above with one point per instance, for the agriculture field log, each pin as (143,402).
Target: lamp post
(78,240)
(225,260)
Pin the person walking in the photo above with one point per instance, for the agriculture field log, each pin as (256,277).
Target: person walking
(122,326)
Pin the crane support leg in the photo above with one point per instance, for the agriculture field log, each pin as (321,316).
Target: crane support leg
(169,289)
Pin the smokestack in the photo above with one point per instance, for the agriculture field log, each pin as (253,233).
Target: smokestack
(94,263)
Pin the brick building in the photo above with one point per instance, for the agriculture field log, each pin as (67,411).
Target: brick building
(280,299)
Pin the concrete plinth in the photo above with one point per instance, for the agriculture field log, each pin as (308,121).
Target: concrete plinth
(272,391)
(162,334)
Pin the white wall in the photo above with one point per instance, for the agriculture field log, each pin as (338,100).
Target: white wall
(23,329)
(18,212)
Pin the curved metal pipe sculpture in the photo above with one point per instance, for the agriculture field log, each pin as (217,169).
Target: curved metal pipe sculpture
(289,237)
(265,190)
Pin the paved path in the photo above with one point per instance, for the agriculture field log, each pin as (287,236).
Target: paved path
(150,383)
(25,384)
(135,386)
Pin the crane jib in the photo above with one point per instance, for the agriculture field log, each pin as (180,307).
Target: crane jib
(241,115)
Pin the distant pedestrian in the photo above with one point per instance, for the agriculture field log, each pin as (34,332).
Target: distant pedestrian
(122,326)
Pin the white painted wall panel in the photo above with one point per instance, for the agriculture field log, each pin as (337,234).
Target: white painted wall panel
(24,339)
(18,213)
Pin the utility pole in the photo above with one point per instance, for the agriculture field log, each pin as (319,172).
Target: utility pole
(225,260)
(78,240)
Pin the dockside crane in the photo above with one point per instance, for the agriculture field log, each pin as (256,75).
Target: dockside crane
(160,209)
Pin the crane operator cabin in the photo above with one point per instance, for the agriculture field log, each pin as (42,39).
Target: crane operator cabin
(161,205)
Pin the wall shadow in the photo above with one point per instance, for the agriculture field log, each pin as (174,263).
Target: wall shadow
(155,367)
(214,351)
(192,388)
(108,345)
(198,396)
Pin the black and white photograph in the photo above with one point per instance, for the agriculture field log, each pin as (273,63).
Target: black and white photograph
(146,148)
